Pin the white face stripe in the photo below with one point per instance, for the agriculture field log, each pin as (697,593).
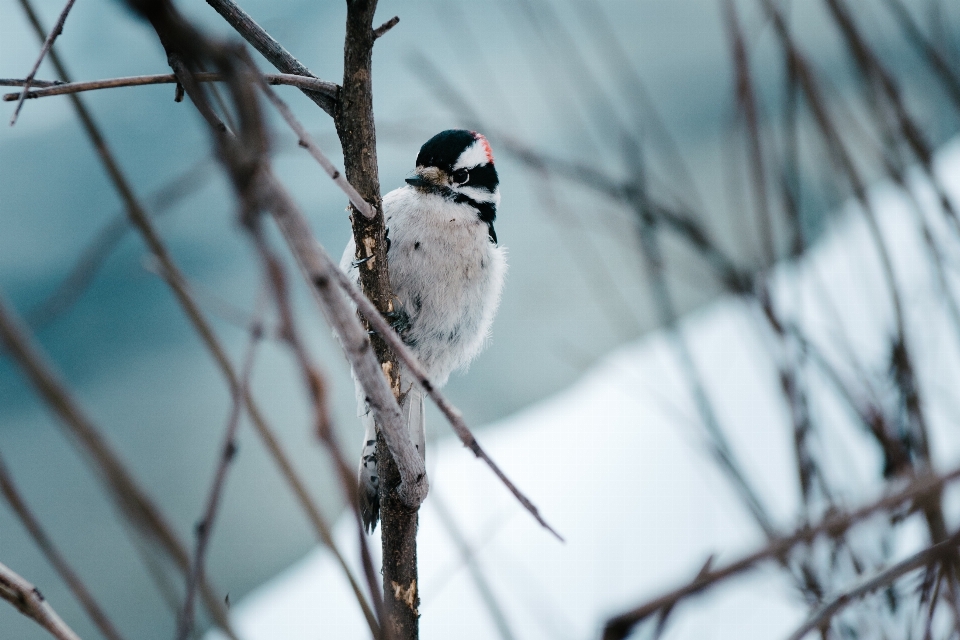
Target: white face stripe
(473,156)
(480,195)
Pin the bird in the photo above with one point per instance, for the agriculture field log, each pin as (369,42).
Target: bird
(447,272)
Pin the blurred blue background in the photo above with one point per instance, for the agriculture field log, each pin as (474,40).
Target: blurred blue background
(576,287)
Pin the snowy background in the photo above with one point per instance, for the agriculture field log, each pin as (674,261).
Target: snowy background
(618,465)
(576,303)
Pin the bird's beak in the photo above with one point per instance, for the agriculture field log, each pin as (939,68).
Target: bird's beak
(417,181)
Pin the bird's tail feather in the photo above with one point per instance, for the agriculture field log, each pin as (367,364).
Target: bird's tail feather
(368,490)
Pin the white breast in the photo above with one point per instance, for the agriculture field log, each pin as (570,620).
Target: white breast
(446,273)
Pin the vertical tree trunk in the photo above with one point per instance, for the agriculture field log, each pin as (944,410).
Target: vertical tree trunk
(357,131)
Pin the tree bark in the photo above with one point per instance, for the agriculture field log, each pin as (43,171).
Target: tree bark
(355,126)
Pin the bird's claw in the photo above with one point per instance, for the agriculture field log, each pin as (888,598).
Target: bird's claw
(360,261)
(398,319)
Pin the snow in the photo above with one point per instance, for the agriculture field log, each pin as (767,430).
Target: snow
(618,463)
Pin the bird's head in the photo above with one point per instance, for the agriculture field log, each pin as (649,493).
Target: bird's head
(457,162)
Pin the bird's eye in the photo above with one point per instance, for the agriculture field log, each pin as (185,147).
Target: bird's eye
(460,176)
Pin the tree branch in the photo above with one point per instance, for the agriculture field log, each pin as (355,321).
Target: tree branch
(926,557)
(272,50)
(453,415)
(47,43)
(619,627)
(307,143)
(31,603)
(62,88)
(356,127)
(228,450)
(54,556)
(386,26)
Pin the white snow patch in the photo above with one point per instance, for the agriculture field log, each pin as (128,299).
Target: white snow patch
(617,464)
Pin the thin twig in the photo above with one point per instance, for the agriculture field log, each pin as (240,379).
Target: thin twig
(20,82)
(468,556)
(59,89)
(938,63)
(323,273)
(273,51)
(105,241)
(204,529)
(926,557)
(31,603)
(746,97)
(54,556)
(47,43)
(307,143)
(619,627)
(386,26)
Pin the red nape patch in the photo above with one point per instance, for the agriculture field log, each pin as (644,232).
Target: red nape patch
(486,146)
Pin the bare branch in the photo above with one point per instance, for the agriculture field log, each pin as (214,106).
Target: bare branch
(31,603)
(386,26)
(940,551)
(748,103)
(61,88)
(468,555)
(47,43)
(20,82)
(620,626)
(938,63)
(53,555)
(204,528)
(273,51)
(307,143)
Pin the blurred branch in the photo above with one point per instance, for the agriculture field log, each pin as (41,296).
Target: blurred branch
(747,100)
(53,555)
(872,69)
(130,499)
(469,558)
(305,141)
(624,192)
(821,618)
(938,63)
(58,89)
(317,388)
(244,156)
(73,285)
(204,528)
(31,603)
(901,358)
(273,51)
(47,43)
(835,524)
